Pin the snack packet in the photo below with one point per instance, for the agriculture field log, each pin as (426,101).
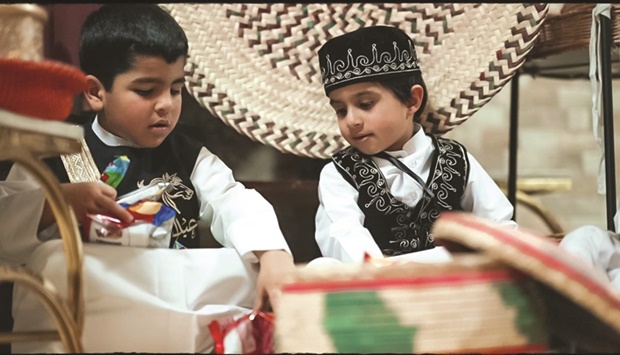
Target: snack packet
(151,228)
(147,193)
(248,333)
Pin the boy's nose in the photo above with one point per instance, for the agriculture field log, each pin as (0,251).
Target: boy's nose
(164,103)
(353,119)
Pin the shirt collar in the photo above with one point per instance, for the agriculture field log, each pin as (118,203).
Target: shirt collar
(108,138)
(417,143)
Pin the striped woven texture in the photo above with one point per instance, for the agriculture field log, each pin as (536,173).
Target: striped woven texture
(469,305)
(255,65)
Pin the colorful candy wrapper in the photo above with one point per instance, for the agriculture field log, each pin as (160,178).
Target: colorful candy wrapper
(115,171)
(243,334)
(147,193)
(151,228)
(178,245)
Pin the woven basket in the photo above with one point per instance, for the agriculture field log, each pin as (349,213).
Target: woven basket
(582,305)
(469,305)
(570,30)
(255,65)
(505,291)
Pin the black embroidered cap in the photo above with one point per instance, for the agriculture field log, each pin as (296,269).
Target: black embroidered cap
(367,53)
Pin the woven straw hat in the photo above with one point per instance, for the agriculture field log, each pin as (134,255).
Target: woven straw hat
(255,65)
(581,304)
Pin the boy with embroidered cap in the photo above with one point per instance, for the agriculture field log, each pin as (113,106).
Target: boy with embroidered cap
(382,194)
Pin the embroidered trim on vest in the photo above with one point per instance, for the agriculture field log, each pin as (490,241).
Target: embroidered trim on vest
(396,227)
(81,166)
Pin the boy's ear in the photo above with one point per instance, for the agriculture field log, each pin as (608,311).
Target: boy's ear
(94,93)
(417,94)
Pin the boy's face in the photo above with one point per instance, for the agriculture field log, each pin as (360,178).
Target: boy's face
(144,103)
(371,118)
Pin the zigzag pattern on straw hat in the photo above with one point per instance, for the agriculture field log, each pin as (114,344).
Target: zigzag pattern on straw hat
(255,65)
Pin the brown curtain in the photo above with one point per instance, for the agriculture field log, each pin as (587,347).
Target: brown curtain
(62,30)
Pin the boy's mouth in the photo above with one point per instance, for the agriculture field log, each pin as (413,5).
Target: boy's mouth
(161,124)
(361,137)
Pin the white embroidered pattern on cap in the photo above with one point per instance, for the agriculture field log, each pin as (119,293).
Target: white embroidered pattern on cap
(400,62)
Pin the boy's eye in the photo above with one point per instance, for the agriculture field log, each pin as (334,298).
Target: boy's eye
(175,91)
(341,112)
(143,92)
(366,105)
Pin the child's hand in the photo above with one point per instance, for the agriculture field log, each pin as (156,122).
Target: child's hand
(88,197)
(95,198)
(275,266)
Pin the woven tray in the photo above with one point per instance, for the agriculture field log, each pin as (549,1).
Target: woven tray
(255,65)
(570,30)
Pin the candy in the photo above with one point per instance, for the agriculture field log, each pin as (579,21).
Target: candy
(115,171)
(151,228)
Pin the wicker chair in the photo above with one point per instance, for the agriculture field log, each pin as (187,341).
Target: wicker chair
(25,140)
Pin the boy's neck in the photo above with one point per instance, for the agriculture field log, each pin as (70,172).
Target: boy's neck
(110,138)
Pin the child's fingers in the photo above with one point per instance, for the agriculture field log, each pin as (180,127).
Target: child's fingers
(108,191)
(112,208)
(274,298)
(258,303)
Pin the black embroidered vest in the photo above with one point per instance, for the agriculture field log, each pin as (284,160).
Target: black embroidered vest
(396,227)
(172,161)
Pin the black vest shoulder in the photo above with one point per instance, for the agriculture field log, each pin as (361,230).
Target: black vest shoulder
(396,227)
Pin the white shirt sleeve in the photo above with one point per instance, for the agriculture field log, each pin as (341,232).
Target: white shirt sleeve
(240,218)
(21,205)
(484,198)
(340,231)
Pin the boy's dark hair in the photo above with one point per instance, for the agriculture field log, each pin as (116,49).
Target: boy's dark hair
(401,87)
(115,34)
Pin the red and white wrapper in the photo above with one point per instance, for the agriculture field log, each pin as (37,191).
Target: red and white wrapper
(151,228)
(243,334)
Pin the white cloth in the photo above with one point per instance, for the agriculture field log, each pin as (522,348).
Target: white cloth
(596,78)
(438,254)
(596,247)
(139,299)
(340,231)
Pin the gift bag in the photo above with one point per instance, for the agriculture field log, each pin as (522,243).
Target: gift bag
(243,334)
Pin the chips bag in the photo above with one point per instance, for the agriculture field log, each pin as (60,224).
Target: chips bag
(244,334)
(152,226)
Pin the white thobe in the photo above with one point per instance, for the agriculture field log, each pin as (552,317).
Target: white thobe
(340,231)
(596,247)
